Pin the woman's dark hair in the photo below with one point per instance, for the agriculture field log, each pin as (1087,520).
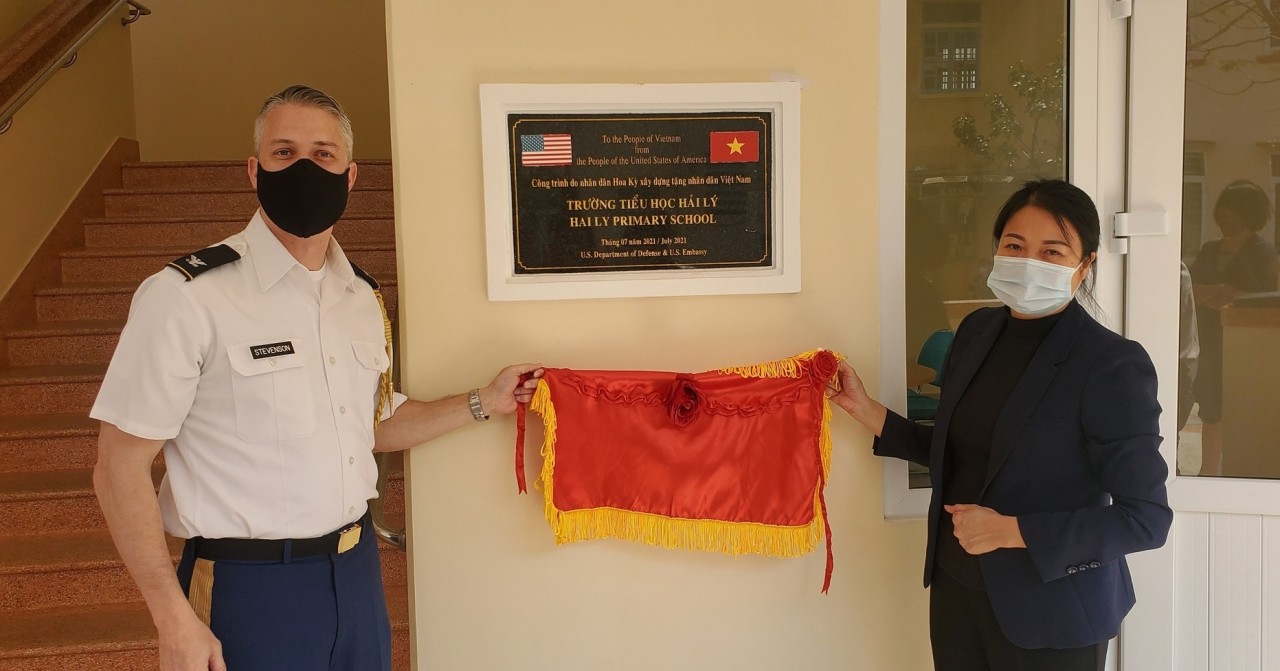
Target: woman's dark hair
(1068,205)
(1249,203)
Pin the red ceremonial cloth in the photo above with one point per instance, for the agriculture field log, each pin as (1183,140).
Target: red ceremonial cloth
(733,460)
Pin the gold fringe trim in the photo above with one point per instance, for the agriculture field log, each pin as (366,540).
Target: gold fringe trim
(200,594)
(733,538)
(385,389)
(541,404)
(788,367)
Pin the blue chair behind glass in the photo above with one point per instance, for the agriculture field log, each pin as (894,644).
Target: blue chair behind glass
(933,354)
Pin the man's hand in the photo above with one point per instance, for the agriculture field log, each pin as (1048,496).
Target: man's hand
(418,422)
(981,530)
(186,644)
(501,396)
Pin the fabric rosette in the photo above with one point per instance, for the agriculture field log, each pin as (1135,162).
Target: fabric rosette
(683,400)
(823,366)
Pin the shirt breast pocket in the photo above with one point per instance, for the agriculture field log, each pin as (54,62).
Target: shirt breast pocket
(372,361)
(272,396)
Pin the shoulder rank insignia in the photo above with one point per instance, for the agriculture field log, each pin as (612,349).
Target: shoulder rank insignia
(208,258)
(363,275)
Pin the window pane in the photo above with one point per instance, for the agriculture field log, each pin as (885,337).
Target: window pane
(966,152)
(1230,328)
(952,12)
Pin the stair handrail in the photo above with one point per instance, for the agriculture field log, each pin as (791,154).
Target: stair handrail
(50,42)
(384,530)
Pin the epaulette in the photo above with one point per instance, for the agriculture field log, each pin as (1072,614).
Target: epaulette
(363,275)
(206,259)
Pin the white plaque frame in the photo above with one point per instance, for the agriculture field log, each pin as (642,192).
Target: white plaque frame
(782,99)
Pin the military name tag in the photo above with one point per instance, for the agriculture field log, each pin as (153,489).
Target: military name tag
(271,349)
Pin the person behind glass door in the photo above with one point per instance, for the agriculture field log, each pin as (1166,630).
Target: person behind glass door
(1241,261)
(1188,345)
(1044,458)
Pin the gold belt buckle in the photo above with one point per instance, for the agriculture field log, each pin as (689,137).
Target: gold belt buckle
(349,538)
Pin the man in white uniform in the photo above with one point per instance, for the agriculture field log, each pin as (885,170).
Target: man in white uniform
(260,366)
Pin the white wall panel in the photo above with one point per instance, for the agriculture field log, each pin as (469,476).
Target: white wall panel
(1271,592)
(1235,619)
(1191,598)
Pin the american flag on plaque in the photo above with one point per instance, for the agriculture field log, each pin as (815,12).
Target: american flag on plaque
(556,149)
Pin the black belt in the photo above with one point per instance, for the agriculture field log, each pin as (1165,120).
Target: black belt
(256,549)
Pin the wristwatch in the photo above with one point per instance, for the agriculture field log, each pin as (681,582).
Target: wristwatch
(477,410)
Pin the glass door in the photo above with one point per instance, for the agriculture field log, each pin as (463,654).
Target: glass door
(1204,136)
(1229,323)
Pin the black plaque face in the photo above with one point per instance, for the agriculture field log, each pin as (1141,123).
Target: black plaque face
(641,192)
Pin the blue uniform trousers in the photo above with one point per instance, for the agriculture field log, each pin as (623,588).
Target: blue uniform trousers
(320,613)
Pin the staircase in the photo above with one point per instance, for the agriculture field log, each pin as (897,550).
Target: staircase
(66,600)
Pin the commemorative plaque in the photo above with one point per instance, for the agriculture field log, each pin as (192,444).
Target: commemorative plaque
(615,190)
(598,193)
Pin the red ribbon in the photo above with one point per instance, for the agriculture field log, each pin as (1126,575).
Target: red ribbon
(522,409)
(826,523)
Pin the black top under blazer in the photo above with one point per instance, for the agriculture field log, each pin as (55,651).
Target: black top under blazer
(1075,458)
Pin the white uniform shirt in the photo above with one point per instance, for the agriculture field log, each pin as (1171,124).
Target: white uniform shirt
(263,390)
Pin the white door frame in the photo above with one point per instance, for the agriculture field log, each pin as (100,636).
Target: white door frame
(1156,54)
(1156,106)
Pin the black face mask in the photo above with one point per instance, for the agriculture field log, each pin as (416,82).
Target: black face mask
(303,199)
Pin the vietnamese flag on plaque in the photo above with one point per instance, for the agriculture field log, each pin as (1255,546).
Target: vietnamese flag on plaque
(732,460)
(735,146)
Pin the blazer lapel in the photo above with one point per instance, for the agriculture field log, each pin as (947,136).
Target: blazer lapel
(1032,386)
(967,363)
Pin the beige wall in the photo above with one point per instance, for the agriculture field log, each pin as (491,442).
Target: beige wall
(202,70)
(492,590)
(56,141)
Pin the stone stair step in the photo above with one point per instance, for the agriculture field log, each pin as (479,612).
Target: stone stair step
(110,300)
(121,637)
(105,264)
(50,501)
(68,568)
(82,568)
(36,502)
(31,390)
(65,342)
(84,300)
(48,441)
(201,231)
(240,203)
(228,174)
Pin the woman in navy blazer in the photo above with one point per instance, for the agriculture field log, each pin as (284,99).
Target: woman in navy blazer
(1043,457)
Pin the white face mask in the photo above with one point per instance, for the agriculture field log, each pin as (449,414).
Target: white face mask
(1030,287)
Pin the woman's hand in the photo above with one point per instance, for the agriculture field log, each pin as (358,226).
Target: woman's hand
(981,530)
(850,394)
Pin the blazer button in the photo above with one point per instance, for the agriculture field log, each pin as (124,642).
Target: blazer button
(1071,570)
(1094,564)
